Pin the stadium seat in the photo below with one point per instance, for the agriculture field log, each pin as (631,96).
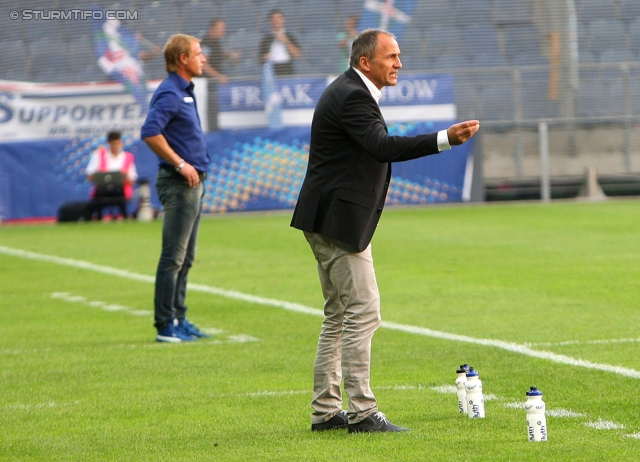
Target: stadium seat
(317,56)
(314,14)
(612,59)
(592,10)
(441,40)
(447,62)
(522,40)
(629,10)
(248,19)
(12,57)
(587,62)
(591,99)
(413,44)
(512,11)
(481,38)
(350,7)
(48,58)
(634,36)
(196,17)
(83,59)
(158,18)
(470,12)
(584,42)
(533,67)
(10,29)
(607,34)
(617,95)
(434,12)
(488,60)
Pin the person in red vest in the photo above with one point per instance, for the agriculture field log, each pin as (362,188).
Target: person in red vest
(112,159)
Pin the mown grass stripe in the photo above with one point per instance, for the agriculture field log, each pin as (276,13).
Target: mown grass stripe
(298,308)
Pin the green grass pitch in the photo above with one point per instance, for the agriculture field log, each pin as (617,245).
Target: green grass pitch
(544,295)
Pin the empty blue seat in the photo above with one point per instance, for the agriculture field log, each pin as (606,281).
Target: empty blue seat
(448,62)
(48,58)
(481,38)
(441,40)
(413,44)
(611,60)
(634,36)
(522,40)
(433,12)
(607,34)
(240,14)
(350,7)
(592,10)
(10,29)
(314,14)
(12,57)
(158,18)
(196,17)
(512,11)
(470,12)
(629,10)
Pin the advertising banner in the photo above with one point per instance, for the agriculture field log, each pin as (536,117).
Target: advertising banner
(48,133)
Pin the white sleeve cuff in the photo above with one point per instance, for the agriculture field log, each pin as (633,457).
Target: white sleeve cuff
(443,141)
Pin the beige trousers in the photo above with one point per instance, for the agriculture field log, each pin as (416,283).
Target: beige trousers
(352,314)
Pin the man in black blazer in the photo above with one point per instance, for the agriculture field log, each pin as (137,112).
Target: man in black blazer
(338,209)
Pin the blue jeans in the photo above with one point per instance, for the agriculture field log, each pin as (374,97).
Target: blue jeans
(182,209)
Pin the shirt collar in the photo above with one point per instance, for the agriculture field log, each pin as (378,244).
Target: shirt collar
(182,82)
(375,91)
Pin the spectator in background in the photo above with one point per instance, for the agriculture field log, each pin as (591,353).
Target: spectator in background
(345,40)
(114,159)
(213,67)
(279,46)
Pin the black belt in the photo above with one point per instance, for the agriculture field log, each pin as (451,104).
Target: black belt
(169,168)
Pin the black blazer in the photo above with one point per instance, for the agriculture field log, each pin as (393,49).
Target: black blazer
(349,168)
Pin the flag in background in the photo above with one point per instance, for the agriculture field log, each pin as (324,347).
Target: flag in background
(117,50)
(390,15)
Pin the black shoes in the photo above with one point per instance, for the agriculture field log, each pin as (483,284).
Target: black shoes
(375,423)
(340,420)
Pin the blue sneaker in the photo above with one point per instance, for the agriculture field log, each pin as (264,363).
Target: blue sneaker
(189,329)
(172,334)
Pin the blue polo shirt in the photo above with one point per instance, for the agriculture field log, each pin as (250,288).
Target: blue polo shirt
(173,113)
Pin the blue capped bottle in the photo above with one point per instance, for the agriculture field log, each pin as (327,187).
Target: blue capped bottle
(536,420)
(475,400)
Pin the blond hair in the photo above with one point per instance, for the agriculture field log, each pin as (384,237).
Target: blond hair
(176,46)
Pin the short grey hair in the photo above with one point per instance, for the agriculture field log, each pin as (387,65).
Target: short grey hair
(365,45)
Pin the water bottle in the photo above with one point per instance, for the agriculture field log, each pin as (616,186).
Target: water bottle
(475,400)
(536,420)
(461,383)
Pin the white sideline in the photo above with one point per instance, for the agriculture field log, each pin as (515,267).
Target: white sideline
(298,308)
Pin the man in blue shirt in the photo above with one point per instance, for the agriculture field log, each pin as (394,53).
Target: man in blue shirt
(172,130)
